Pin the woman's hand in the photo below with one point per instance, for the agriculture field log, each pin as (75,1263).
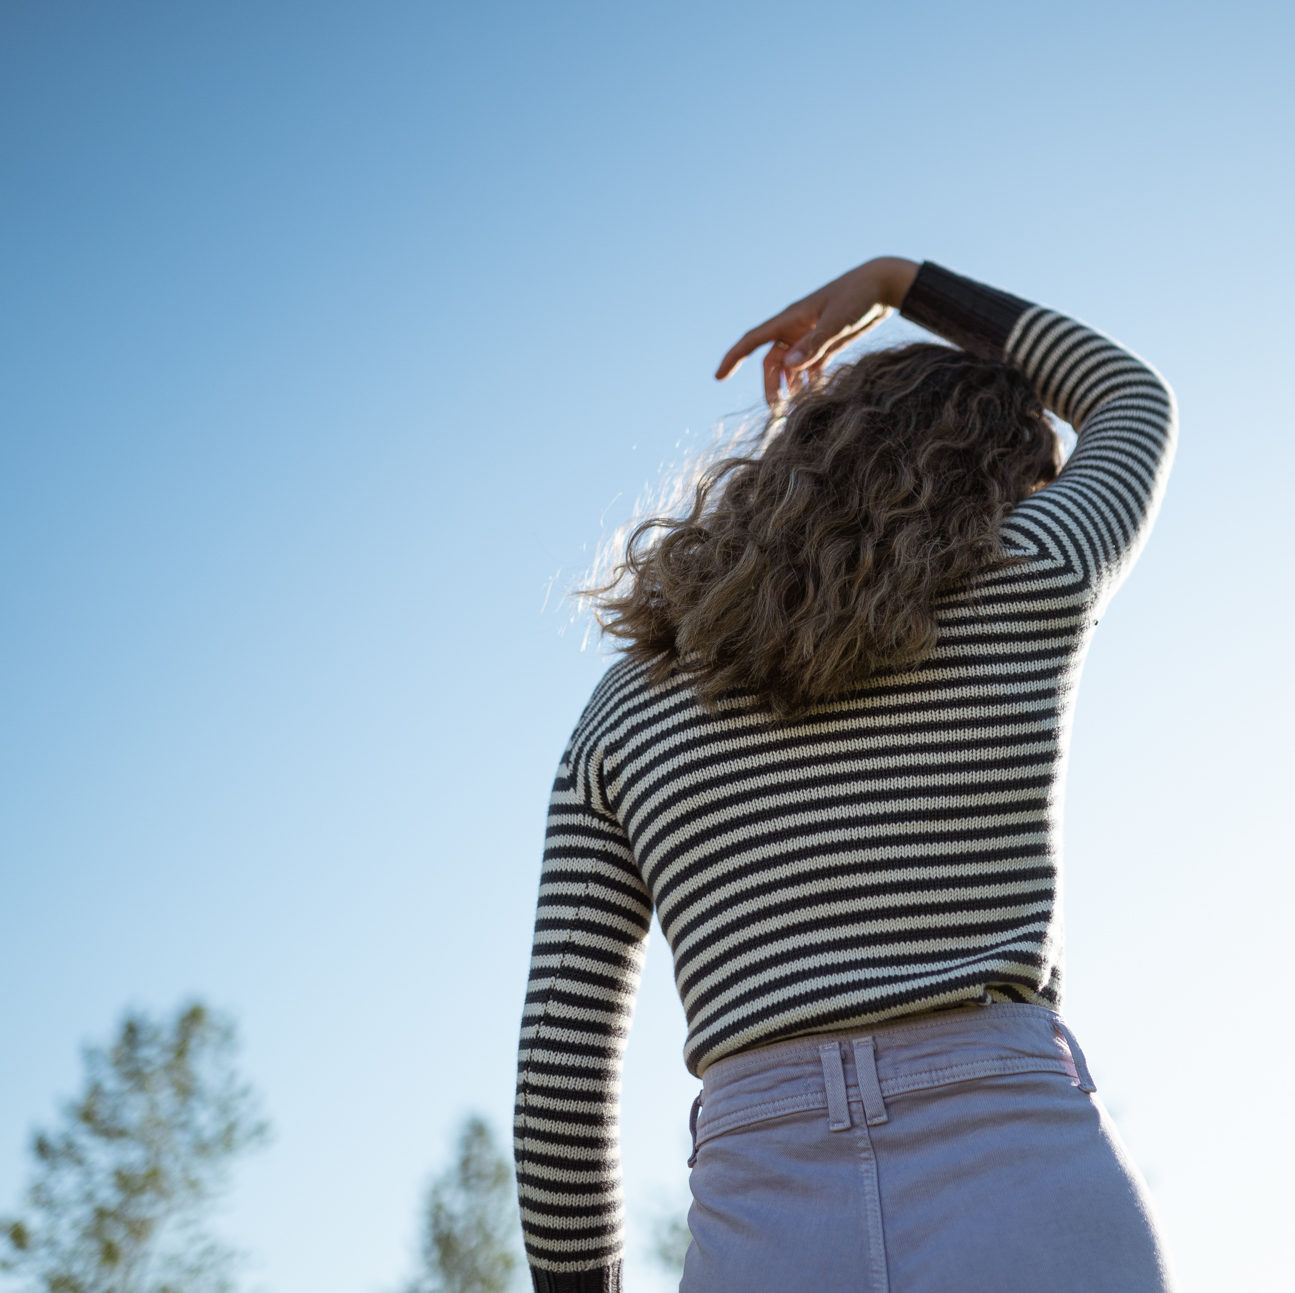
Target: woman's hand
(807,334)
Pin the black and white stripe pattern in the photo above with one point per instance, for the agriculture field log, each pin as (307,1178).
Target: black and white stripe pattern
(896,850)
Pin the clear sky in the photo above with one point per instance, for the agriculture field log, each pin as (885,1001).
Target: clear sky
(335,338)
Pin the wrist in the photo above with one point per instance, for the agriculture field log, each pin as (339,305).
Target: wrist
(895,276)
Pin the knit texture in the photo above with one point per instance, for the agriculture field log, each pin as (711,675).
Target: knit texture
(895,850)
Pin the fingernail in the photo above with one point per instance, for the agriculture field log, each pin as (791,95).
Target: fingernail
(793,357)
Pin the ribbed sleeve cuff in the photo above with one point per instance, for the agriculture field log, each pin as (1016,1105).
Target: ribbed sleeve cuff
(972,315)
(606,1279)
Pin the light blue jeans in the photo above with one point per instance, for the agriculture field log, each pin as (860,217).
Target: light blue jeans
(962,1151)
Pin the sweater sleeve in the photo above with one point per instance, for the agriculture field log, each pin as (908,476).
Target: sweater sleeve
(592,921)
(1095,517)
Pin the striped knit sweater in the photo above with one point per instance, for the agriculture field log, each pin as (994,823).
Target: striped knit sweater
(896,850)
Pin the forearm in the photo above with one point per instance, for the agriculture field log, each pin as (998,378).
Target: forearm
(1105,499)
(593,916)
(973,315)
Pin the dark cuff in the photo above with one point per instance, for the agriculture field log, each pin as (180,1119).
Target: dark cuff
(970,314)
(606,1279)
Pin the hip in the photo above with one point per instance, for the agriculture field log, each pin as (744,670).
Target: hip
(961,1149)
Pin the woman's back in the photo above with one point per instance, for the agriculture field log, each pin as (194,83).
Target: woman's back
(895,850)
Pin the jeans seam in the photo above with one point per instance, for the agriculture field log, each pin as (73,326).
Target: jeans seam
(897,1084)
(761,1113)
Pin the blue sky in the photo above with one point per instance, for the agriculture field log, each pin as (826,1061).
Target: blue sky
(335,340)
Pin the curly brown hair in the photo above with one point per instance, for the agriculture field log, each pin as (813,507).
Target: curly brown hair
(805,567)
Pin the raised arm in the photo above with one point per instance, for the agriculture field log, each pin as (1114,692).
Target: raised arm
(592,920)
(1096,515)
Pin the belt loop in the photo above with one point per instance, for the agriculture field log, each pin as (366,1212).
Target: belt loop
(692,1127)
(838,1107)
(865,1068)
(1086,1082)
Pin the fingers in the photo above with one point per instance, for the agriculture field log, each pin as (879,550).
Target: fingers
(769,330)
(786,327)
(776,374)
(773,373)
(818,325)
(813,351)
(808,349)
(802,343)
(802,364)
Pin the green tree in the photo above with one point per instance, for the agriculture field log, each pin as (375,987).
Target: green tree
(118,1193)
(470,1228)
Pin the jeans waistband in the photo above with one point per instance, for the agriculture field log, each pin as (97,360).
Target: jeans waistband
(877,1063)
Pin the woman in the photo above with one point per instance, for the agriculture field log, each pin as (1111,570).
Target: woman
(832,761)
